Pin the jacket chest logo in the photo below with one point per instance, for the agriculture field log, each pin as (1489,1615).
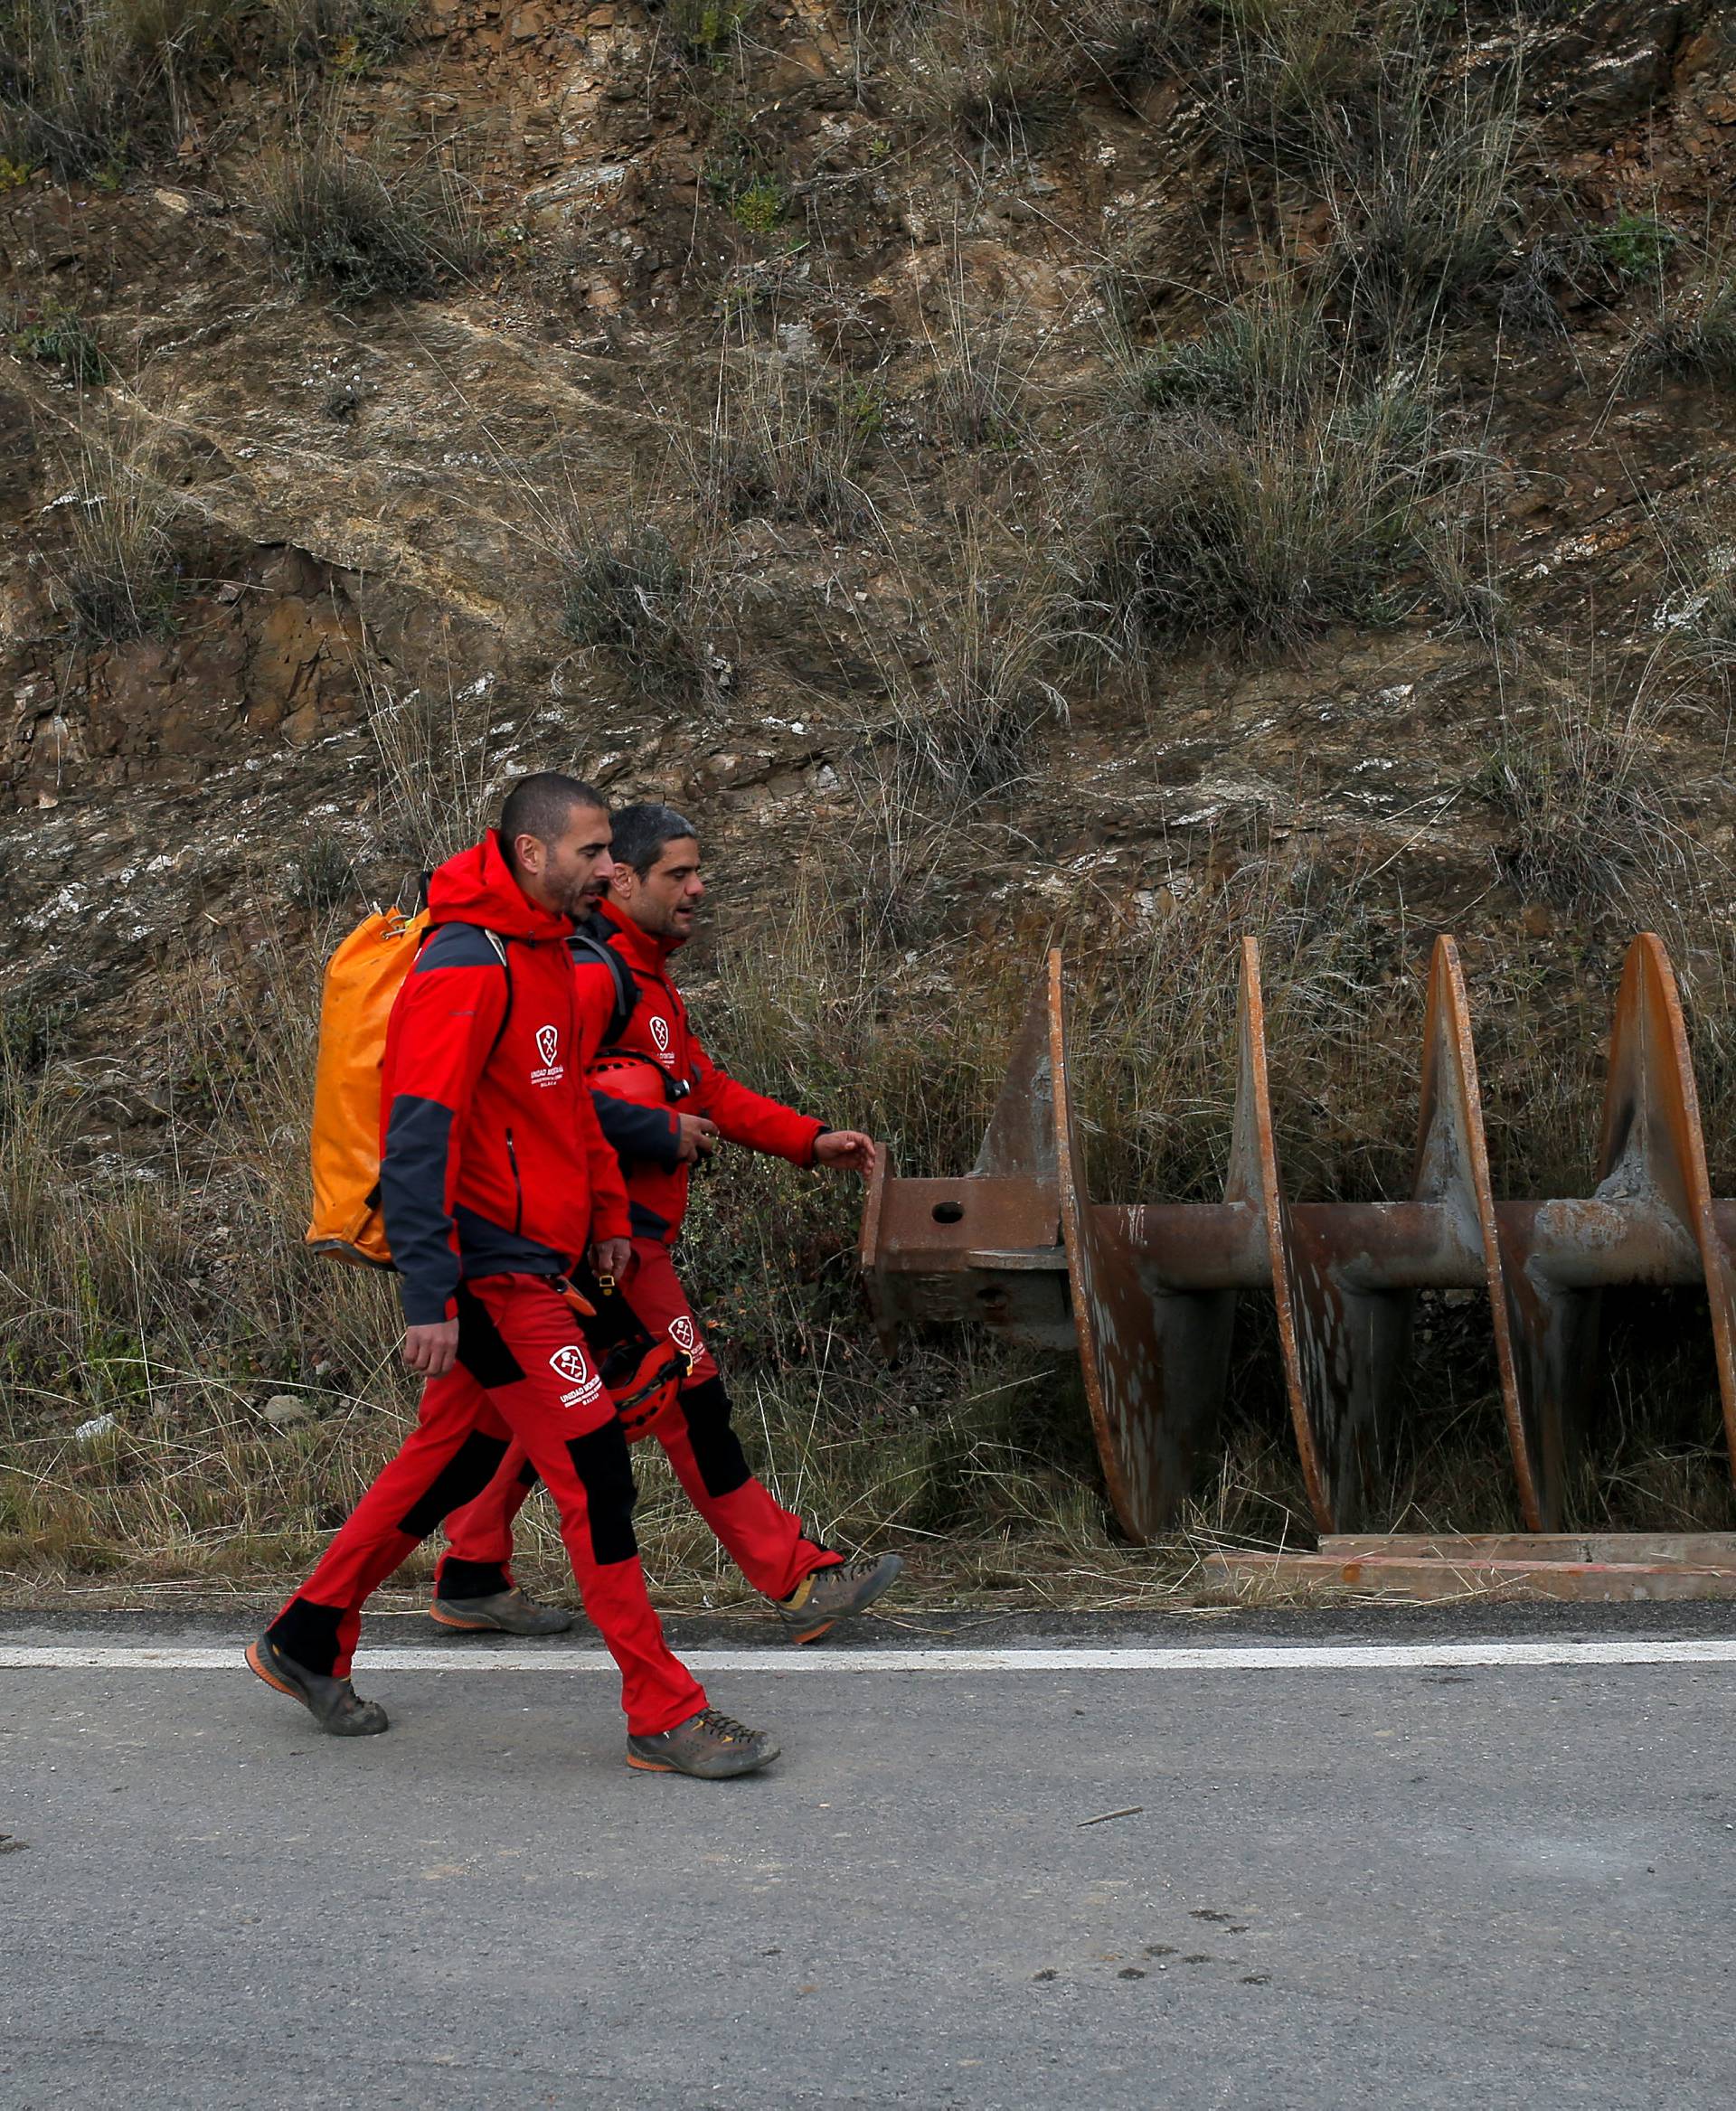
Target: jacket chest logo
(660,1034)
(548,1046)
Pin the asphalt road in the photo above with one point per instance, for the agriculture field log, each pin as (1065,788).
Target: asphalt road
(1401,1888)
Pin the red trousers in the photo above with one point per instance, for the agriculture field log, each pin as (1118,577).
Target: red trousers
(524,1386)
(765,1541)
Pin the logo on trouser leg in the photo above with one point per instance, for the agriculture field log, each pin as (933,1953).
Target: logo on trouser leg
(569,1363)
(684,1334)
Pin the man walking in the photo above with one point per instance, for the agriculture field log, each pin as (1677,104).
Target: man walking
(660,1133)
(494,1180)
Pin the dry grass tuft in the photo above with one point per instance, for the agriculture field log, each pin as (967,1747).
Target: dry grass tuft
(360,224)
(117,576)
(1588,814)
(1258,483)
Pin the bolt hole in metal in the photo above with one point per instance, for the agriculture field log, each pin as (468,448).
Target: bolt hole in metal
(1149,1292)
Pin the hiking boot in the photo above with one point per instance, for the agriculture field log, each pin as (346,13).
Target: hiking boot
(503,1612)
(710,1745)
(332,1703)
(826,1595)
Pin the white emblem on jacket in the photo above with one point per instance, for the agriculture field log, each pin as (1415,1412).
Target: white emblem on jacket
(548,1046)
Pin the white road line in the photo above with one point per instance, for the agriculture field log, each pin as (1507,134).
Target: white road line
(948,1663)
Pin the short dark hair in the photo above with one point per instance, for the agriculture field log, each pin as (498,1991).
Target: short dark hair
(643,832)
(539,805)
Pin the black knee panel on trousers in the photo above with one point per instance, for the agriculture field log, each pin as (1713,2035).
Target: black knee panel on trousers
(717,1449)
(602,1465)
(307,1635)
(482,1348)
(460,1480)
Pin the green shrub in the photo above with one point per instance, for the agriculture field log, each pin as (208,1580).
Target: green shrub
(1635,245)
(60,337)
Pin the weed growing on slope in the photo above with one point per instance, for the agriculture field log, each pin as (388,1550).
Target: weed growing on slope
(61,337)
(627,594)
(786,443)
(117,576)
(1257,485)
(87,85)
(357,225)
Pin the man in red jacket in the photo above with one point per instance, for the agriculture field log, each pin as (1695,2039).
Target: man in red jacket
(494,1180)
(647,915)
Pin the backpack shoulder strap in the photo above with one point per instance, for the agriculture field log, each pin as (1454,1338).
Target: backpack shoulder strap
(627,991)
(499,944)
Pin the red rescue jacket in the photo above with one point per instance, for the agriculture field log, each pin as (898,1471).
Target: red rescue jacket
(491,1161)
(646,1137)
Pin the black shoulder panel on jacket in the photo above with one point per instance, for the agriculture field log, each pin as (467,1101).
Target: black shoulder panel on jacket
(458,946)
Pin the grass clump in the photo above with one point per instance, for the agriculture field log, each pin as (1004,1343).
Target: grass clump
(996,72)
(627,594)
(1692,334)
(351,36)
(357,227)
(787,444)
(1585,815)
(1257,485)
(117,577)
(87,86)
(706,30)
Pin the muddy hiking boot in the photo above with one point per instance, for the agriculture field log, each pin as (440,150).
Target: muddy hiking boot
(827,1595)
(501,1612)
(332,1703)
(711,1746)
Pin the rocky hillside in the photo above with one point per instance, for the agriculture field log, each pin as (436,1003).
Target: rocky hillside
(1139,470)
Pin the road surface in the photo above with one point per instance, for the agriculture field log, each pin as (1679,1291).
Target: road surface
(1406,1877)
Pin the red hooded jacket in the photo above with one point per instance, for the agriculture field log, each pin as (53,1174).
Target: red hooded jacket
(491,1161)
(646,1137)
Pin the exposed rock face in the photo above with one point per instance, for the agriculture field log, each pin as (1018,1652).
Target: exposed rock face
(377,506)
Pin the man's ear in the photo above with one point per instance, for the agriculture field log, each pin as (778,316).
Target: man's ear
(621,882)
(528,854)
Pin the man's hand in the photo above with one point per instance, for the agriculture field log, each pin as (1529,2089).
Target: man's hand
(846,1151)
(612,1257)
(433,1350)
(698,1138)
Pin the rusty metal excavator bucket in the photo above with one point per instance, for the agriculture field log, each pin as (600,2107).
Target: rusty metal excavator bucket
(1147,1292)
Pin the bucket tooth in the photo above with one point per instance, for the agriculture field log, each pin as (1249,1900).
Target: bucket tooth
(1254,1177)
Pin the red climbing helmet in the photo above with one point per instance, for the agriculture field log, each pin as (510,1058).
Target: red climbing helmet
(624,1075)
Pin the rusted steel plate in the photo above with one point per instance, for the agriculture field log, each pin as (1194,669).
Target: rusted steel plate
(1453,1172)
(1020,1139)
(1254,1176)
(1153,1362)
(987,1246)
(1653,1147)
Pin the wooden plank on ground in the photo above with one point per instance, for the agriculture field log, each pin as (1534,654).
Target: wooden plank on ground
(1420,1577)
(1706,1549)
